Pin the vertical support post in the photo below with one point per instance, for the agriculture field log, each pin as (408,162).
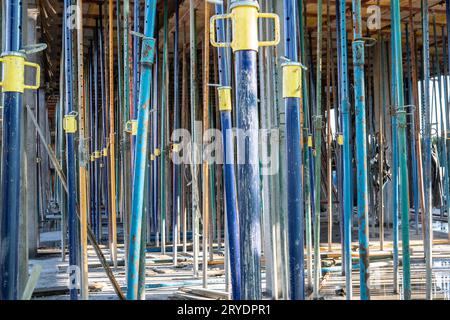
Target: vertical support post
(361,151)
(415,169)
(401,115)
(428,221)
(447,135)
(329,133)
(12,102)
(82,154)
(318,152)
(205,165)
(125,118)
(147,58)
(225,108)
(347,156)
(292,94)
(136,41)
(194,156)
(112,139)
(70,152)
(245,47)
(176,205)
(381,139)
(306,150)
(164,108)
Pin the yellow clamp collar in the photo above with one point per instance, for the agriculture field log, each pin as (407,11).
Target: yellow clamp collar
(244,17)
(105,152)
(13,80)
(292,80)
(70,122)
(97,154)
(340,140)
(224,98)
(310,141)
(157,152)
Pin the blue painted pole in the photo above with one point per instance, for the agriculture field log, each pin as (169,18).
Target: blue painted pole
(245,51)
(71,152)
(427,149)
(305,126)
(147,59)
(294,155)
(229,166)
(395,178)
(361,151)
(96,223)
(347,155)
(136,71)
(414,163)
(176,199)
(12,104)
(402,150)
(91,143)
(155,163)
(447,102)
(103,162)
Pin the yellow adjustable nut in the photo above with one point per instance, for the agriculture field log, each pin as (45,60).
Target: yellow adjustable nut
(105,152)
(70,122)
(292,80)
(310,141)
(244,17)
(97,154)
(13,80)
(157,152)
(152,157)
(131,127)
(224,98)
(92,158)
(340,140)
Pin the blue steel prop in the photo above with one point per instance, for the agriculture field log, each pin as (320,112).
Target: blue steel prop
(136,71)
(245,47)
(147,59)
(402,151)
(294,163)
(427,148)
(318,125)
(395,178)
(307,154)
(248,174)
(96,139)
(447,103)
(90,141)
(442,146)
(176,205)
(361,150)
(414,163)
(347,156)
(229,166)
(163,114)
(103,163)
(339,149)
(9,224)
(155,162)
(70,152)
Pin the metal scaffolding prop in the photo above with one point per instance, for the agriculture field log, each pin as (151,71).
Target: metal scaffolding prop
(239,140)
